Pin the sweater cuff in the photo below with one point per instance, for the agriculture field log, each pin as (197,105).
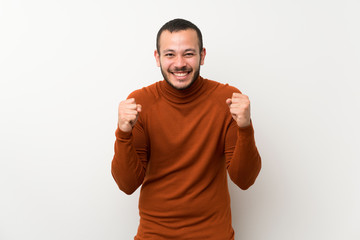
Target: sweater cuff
(122,135)
(246,131)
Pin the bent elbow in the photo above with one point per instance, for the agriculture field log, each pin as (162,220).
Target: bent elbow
(245,180)
(126,188)
(125,185)
(127,191)
(243,184)
(246,185)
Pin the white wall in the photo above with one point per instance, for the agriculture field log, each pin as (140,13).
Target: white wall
(65,65)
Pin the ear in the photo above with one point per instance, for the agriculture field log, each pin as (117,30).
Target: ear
(157,58)
(202,56)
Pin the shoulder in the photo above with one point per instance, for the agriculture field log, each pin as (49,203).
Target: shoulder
(218,93)
(145,95)
(221,90)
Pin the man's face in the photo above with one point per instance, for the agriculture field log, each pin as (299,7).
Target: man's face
(179,57)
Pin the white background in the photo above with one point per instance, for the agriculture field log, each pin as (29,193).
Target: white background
(65,66)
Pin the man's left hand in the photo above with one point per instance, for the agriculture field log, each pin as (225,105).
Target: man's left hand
(239,106)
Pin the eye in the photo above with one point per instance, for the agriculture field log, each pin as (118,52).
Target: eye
(189,54)
(169,54)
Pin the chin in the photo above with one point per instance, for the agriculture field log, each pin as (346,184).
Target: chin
(181,85)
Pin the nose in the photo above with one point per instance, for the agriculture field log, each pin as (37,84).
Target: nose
(180,62)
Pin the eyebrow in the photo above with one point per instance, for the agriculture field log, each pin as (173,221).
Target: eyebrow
(169,50)
(186,50)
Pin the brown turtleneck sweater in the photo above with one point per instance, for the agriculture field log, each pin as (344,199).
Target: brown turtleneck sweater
(179,150)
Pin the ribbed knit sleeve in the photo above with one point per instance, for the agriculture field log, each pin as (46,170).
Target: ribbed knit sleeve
(242,159)
(130,159)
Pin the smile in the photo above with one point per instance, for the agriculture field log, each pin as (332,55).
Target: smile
(180,74)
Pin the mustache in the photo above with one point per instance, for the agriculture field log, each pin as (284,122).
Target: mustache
(182,69)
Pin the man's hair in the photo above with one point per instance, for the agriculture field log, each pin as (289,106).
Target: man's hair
(176,25)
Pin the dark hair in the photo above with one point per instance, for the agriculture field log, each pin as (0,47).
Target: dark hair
(176,25)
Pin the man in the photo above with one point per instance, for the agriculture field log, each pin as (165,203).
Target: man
(178,138)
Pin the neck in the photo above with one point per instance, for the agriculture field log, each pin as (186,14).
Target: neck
(182,95)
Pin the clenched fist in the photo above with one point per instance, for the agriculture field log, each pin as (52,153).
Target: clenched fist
(128,114)
(239,106)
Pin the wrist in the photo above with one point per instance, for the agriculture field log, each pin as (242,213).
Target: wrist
(125,127)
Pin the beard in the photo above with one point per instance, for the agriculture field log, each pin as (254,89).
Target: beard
(196,75)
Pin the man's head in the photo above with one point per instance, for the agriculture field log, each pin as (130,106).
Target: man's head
(179,53)
(177,25)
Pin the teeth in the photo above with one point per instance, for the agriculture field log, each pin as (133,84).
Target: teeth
(180,74)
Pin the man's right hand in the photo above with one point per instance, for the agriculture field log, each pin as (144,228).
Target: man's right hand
(128,114)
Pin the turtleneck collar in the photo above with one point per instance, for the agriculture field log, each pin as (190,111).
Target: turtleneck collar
(185,95)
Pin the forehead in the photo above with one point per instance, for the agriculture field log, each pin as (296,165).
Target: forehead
(178,40)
